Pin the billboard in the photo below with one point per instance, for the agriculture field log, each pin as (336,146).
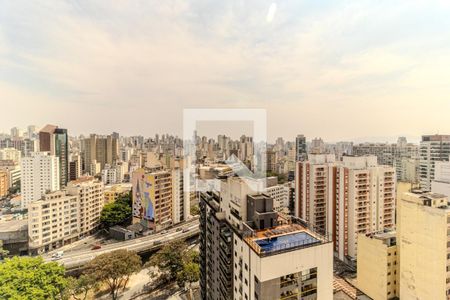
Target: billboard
(143,198)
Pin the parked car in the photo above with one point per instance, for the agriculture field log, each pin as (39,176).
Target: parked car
(164,231)
(96,247)
(179,229)
(156,242)
(185,230)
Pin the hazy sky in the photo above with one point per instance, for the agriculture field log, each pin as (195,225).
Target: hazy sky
(337,69)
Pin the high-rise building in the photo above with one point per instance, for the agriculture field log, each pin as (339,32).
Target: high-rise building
(317,146)
(378,265)
(345,199)
(55,141)
(62,217)
(4,183)
(75,167)
(16,133)
(248,251)
(432,148)
(441,182)
(10,154)
(40,174)
(423,236)
(102,150)
(314,190)
(300,148)
(152,198)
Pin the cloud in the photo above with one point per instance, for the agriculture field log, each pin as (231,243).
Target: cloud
(140,63)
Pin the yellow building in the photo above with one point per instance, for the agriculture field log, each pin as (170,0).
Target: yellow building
(114,191)
(378,265)
(3,183)
(422,241)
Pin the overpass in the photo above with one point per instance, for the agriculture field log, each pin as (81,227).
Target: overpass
(77,259)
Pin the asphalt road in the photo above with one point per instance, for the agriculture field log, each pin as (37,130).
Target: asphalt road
(78,258)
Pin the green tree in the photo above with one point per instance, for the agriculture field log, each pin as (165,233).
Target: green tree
(3,252)
(177,263)
(125,199)
(80,287)
(114,268)
(30,278)
(15,188)
(115,214)
(169,259)
(195,210)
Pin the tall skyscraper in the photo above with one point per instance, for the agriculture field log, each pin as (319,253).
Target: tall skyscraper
(300,148)
(102,150)
(345,199)
(40,174)
(432,148)
(247,251)
(55,141)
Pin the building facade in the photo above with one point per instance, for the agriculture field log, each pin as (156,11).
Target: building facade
(62,217)
(432,148)
(55,141)
(40,174)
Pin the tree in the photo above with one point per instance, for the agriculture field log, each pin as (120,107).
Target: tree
(15,188)
(125,199)
(195,210)
(3,252)
(170,259)
(82,285)
(114,268)
(115,214)
(178,263)
(30,278)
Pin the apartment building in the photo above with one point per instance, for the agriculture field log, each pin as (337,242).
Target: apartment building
(441,182)
(314,190)
(181,204)
(4,183)
(280,194)
(432,148)
(300,148)
(345,198)
(75,170)
(152,198)
(423,245)
(56,141)
(101,149)
(91,196)
(389,154)
(378,265)
(363,201)
(10,154)
(254,253)
(13,171)
(40,174)
(62,217)
(112,192)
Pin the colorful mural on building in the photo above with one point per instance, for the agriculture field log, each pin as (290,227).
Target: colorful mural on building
(143,198)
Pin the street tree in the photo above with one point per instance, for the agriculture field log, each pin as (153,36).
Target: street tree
(30,278)
(114,268)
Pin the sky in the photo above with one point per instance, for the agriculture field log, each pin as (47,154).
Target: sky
(339,70)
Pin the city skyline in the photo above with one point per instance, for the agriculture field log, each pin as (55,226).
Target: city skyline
(362,68)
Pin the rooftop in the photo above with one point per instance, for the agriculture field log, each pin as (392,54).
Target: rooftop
(13,225)
(283,238)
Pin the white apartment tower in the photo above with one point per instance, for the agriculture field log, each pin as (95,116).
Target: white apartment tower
(40,174)
(432,148)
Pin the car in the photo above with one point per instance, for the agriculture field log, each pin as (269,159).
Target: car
(185,230)
(156,242)
(57,255)
(179,229)
(164,231)
(96,247)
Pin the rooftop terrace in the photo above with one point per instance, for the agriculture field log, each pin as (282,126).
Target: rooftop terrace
(283,238)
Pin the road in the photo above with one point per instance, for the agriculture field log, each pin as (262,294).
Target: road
(78,258)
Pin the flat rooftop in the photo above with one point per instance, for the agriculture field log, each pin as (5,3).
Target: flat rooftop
(283,238)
